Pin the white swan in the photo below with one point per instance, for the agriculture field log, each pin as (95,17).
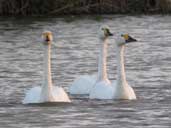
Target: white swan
(85,83)
(102,89)
(47,92)
(121,88)
(82,85)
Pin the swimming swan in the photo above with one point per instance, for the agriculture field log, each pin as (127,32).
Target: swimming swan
(102,89)
(85,83)
(82,85)
(47,92)
(121,88)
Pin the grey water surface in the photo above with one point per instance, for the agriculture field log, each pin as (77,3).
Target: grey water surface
(74,53)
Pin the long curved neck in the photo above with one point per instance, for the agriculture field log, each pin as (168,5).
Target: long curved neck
(121,76)
(47,66)
(102,71)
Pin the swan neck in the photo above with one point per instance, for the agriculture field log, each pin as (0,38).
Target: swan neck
(47,66)
(102,71)
(121,76)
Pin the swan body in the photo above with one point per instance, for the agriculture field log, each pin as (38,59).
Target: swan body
(103,88)
(125,93)
(34,95)
(82,85)
(122,90)
(47,92)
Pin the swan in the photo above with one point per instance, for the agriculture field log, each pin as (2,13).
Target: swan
(122,90)
(47,92)
(82,85)
(85,83)
(102,89)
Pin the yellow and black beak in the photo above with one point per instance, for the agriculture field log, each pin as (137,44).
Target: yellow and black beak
(108,33)
(128,38)
(47,37)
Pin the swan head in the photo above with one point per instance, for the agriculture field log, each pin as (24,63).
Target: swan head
(104,32)
(47,37)
(125,39)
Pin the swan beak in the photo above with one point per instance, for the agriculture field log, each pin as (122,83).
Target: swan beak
(128,38)
(108,32)
(47,36)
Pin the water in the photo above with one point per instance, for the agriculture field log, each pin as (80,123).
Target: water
(148,68)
